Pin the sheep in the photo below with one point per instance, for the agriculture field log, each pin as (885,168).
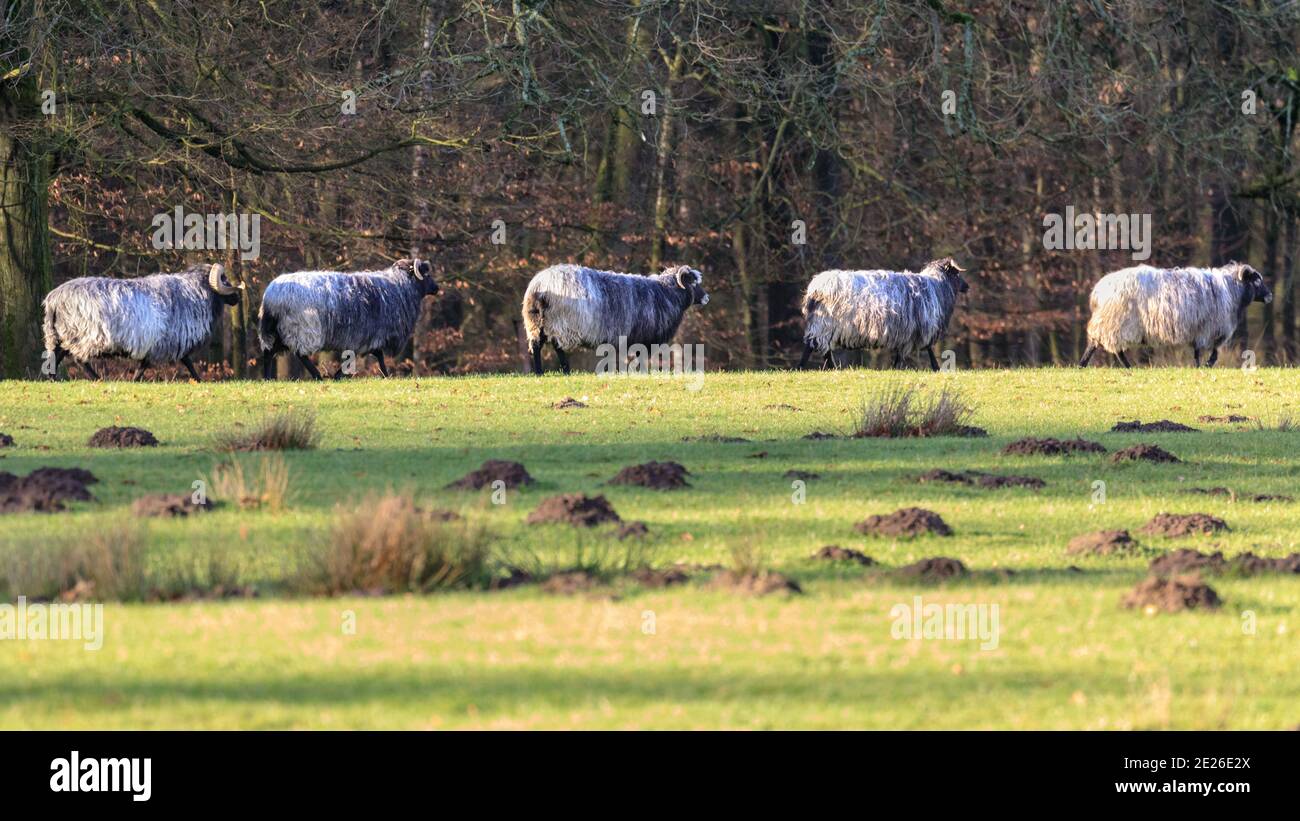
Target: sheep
(364,312)
(575,307)
(1200,307)
(899,312)
(152,319)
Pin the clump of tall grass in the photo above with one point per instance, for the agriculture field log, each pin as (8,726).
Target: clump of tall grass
(287,430)
(263,487)
(902,411)
(103,563)
(390,545)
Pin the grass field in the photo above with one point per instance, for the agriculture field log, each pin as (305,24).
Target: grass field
(1068,657)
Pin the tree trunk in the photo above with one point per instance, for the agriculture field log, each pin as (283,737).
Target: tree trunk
(25,275)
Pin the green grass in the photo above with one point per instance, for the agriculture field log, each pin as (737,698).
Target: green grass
(1069,656)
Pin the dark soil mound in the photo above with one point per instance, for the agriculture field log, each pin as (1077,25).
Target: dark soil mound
(654,475)
(781,406)
(44,489)
(934,569)
(168,505)
(1232,417)
(439,514)
(577,509)
(715,438)
(1163,426)
(1271,497)
(570,583)
(1172,594)
(801,474)
(1032,446)
(818,436)
(115,437)
(755,584)
(1183,524)
(633,530)
(1143,453)
(978,478)
(516,578)
(835,553)
(568,402)
(6,441)
(910,521)
(1250,564)
(1186,560)
(493,470)
(1213,491)
(1102,543)
(1249,497)
(647,577)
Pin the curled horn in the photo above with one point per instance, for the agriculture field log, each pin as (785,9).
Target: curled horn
(217,279)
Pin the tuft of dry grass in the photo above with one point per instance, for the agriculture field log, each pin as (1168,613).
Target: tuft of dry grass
(266,487)
(390,545)
(287,430)
(104,563)
(901,411)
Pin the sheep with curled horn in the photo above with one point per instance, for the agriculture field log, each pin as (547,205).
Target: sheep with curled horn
(154,319)
(574,306)
(900,312)
(1196,307)
(366,312)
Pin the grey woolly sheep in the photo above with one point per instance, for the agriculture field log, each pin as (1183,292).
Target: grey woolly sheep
(366,312)
(1200,307)
(578,307)
(901,312)
(152,319)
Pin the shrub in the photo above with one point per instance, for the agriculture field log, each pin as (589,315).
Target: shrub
(899,412)
(287,430)
(389,545)
(104,563)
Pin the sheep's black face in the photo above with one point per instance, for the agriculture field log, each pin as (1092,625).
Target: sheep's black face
(689,279)
(948,267)
(421,273)
(1254,282)
(230,299)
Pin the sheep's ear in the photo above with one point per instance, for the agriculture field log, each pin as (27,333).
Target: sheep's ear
(422,269)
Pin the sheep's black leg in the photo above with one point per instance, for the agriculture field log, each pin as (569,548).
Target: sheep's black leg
(268,366)
(59,355)
(311,368)
(807,352)
(1087,356)
(535,353)
(1214,355)
(898,361)
(1123,359)
(934,363)
(828,360)
(562,356)
(189,366)
(383,368)
(139,370)
(90,369)
(1196,355)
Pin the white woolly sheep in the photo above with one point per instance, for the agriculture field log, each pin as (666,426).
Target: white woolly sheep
(153,319)
(364,312)
(900,312)
(576,307)
(1143,305)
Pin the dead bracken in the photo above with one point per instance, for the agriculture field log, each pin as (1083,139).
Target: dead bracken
(127,437)
(1102,543)
(1031,446)
(577,509)
(44,490)
(1172,595)
(654,475)
(169,505)
(512,474)
(1183,524)
(762,583)
(1162,426)
(835,553)
(1144,453)
(908,522)
(936,568)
